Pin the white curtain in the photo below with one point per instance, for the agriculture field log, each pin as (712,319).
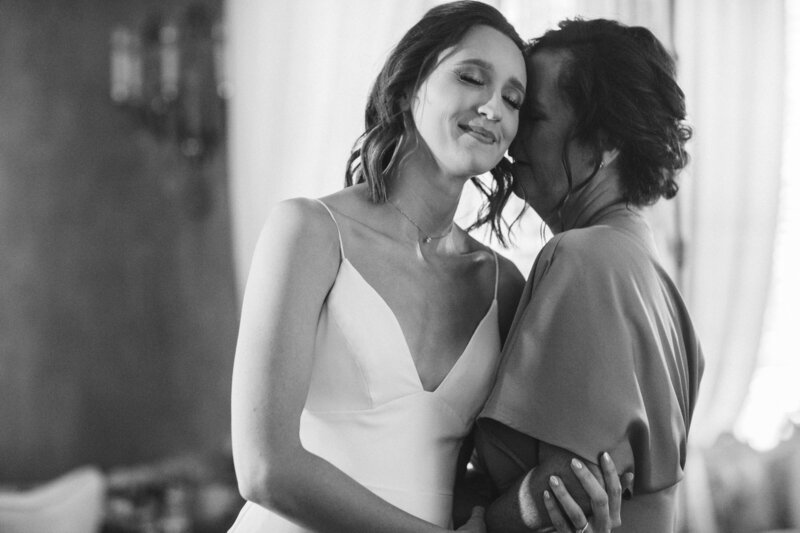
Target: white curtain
(300,73)
(731,65)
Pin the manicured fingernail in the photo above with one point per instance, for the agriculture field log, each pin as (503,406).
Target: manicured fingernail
(627,493)
(554,481)
(577,464)
(606,457)
(547,495)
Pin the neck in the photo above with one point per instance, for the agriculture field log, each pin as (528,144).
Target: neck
(587,202)
(425,196)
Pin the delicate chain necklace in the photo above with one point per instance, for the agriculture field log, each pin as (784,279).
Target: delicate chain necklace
(426,237)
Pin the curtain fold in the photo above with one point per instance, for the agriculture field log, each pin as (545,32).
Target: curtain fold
(731,64)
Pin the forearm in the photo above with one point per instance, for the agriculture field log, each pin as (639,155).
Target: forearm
(518,509)
(313,493)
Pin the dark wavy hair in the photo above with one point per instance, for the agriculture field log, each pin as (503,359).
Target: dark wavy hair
(374,156)
(620,82)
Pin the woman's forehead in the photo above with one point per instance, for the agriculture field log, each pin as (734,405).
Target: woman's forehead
(544,69)
(491,46)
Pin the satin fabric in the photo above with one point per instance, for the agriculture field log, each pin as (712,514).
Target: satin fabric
(602,356)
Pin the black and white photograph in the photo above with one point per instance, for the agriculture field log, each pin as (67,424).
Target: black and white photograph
(399,266)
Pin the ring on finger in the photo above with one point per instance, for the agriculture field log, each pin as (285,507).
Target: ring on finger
(584,528)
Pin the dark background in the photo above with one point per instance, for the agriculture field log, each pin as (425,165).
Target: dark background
(118,310)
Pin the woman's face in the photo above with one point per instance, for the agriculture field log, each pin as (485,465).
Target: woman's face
(467,110)
(545,126)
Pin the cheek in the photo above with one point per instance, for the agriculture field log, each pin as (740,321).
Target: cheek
(430,118)
(525,141)
(522,181)
(547,149)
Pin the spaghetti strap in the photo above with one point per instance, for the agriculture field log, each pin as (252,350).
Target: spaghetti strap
(338,231)
(496,273)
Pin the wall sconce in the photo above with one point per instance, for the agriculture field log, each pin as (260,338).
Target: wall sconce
(170,74)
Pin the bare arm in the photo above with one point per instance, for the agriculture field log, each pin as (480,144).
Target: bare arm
(294,265)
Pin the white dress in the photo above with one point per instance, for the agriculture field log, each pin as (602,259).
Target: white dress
(368,414)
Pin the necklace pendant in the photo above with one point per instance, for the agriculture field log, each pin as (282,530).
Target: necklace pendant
(427,239)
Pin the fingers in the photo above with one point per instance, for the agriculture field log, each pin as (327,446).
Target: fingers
(627,486)
(475,523)
(613,489)
(599,498)
(556,516)
(477,513)
(568,504)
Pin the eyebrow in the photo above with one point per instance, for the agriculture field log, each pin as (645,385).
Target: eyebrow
(488,66)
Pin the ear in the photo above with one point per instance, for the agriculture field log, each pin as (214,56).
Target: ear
(405,100)
(608,157)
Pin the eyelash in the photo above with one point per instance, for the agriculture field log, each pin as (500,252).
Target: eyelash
(513,103)
(474,80)
(469,78)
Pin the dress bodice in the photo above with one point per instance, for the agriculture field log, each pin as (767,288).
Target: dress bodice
(368,414)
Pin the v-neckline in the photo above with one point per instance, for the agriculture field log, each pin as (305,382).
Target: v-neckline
(399,328)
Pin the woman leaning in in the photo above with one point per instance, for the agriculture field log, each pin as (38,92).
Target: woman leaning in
(602,355)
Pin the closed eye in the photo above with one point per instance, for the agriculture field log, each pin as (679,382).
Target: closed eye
(513,101)
(470,78)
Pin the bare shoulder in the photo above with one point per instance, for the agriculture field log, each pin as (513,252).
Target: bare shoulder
(351,202)
(300,215)
(302,218)
(300,230)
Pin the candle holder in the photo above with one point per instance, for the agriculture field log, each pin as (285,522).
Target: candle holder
(169,73)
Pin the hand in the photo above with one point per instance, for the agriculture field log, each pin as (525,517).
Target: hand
(475,524)
(605,505)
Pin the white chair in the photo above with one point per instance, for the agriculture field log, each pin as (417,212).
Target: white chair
(72,503)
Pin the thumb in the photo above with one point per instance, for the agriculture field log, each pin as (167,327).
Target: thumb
(477,512)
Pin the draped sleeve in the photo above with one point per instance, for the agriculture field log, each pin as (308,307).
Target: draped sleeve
(602,357)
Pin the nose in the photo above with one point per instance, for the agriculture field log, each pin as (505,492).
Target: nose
(491,109)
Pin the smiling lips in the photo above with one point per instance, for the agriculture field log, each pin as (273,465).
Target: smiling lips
(481,134)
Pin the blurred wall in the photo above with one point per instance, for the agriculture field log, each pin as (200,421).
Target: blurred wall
(117,298)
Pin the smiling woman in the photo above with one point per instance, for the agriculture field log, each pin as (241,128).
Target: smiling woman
(337,426)
(443,107)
